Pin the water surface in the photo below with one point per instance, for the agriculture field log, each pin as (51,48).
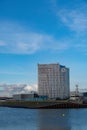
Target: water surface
(42,119)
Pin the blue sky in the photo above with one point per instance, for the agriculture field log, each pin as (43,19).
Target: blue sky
(41,31)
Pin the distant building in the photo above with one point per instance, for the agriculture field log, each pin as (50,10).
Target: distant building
(29,97)
(53,81)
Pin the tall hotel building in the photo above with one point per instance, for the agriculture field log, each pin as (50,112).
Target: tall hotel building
(53,81)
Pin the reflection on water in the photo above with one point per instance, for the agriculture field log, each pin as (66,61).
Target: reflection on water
(54,119)
(43,119)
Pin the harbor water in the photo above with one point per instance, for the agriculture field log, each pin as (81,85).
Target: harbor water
(42,119)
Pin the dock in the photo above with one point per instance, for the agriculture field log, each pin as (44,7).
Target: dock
(42,104)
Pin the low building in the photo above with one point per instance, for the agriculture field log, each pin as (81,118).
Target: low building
(29,97)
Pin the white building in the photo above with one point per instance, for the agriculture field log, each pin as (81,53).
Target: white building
(53,81)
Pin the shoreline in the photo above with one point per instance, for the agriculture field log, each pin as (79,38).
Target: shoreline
(41,104)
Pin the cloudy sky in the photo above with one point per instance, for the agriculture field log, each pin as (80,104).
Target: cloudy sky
(42,31)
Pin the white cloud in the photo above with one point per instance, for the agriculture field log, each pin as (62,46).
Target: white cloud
(28,42)
(76,20)
(17,41)
(29,88)
(10,89)
(73,14)
(2,43)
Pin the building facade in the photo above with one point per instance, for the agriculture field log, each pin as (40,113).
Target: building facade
(29,97)
(53,81)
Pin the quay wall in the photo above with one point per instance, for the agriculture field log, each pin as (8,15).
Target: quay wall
(41,104)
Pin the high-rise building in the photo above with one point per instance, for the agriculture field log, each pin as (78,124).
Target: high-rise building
(53,81)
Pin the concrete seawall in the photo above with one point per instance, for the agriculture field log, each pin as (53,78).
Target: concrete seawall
(41,104)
